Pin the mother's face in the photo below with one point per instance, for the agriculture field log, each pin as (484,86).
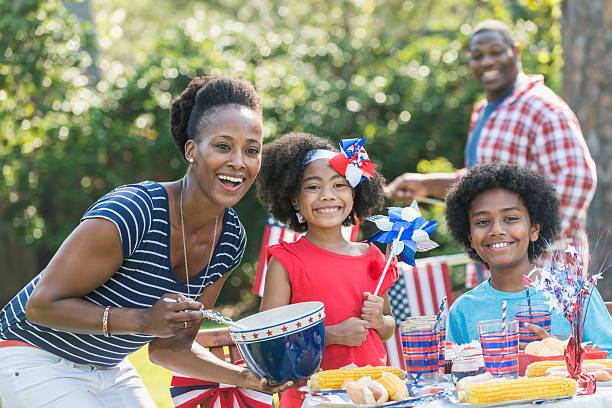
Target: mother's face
(227,153)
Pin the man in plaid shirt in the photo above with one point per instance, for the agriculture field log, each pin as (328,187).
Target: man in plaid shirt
(522,121)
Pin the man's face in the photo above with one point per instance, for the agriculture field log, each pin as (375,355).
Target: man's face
(494,62)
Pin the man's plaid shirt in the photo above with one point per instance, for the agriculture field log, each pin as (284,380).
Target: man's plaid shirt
(535,128)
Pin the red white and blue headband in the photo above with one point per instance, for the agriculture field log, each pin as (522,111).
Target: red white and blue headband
(353,161)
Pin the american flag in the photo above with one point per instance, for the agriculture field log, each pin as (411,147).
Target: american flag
(275,232)
(417,292)
(475,273)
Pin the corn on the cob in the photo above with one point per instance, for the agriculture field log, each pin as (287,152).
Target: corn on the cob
(500,390)
(335,378)
(537,368)
(394,385)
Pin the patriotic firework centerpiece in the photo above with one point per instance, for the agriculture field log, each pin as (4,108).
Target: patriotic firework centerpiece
(568,288)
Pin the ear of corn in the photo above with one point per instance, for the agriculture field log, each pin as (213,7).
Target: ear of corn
(537,368)
(500,390)
(335,378)
(394,385)
(606,361)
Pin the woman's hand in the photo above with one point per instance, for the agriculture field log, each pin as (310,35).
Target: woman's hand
(372,311)
(350,332)
(171,315)
(261,384)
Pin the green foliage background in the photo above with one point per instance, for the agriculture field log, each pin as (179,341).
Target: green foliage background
(84,104)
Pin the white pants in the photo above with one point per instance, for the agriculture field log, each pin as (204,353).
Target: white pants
(31,378)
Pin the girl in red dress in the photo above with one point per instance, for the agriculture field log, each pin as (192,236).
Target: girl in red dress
(313,196)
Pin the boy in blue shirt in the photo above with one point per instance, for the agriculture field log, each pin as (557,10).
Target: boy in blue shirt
(504,215)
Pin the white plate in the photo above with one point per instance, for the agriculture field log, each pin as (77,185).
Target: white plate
(340,399)
(522,401)
(604,383)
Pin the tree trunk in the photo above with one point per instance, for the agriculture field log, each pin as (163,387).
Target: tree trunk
(586,28)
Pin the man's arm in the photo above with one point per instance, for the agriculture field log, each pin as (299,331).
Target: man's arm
(564,158)
(411,186)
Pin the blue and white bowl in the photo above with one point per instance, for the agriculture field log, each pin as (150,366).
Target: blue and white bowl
(283,344)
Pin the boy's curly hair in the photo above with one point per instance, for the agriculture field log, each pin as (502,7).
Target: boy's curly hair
(536,192)
(281,175)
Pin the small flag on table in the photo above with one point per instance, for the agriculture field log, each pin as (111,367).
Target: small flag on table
(475,274)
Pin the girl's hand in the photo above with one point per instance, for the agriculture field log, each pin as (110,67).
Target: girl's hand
(350,332)
(168,318)
(372,311)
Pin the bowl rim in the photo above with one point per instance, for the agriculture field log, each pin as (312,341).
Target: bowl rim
(237,340)
(319,307)
(261,334)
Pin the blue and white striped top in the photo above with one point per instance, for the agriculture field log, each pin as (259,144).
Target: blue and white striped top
(140,212)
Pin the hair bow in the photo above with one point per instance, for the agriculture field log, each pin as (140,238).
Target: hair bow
(353,162)
(407,228)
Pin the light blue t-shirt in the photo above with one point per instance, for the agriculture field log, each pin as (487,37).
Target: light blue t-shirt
(471,148)
(485,302)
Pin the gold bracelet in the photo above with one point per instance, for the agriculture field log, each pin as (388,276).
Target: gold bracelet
(105,322)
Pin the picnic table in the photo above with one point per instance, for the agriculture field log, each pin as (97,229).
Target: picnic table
(601,399)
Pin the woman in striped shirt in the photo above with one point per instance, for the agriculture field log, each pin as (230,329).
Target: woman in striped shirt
(65,337)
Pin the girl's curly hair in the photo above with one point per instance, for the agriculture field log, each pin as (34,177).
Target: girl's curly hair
(281,175)
(536,192)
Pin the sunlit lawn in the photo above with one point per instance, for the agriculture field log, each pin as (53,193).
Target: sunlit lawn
(155,378)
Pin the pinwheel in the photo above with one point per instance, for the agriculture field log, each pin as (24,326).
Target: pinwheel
(408,226)
(353,161)
(407,230)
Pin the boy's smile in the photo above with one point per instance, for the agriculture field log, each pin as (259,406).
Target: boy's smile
(501,230)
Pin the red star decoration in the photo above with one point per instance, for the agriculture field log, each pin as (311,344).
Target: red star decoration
(299,324)
(269,332)
(319,315)
(255,335)
(243,337)
(284,329)
(310,319)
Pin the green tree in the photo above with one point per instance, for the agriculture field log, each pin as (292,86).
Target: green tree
(394,71)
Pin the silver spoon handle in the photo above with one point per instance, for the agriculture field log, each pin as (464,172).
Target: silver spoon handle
(215,316)
(219,318)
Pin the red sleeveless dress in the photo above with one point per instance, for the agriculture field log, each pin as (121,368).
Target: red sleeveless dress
(338,281)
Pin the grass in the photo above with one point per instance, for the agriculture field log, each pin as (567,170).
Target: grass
(156,378)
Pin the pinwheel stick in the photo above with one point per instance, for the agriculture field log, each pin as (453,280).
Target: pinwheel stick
(389,258)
